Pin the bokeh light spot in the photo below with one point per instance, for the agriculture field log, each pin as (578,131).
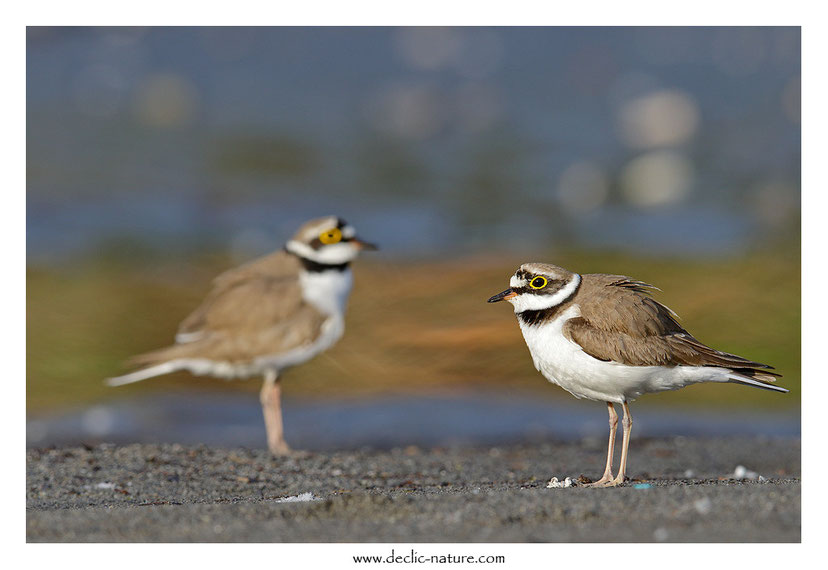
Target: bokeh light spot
(658,178)
(660,118)
(166,100)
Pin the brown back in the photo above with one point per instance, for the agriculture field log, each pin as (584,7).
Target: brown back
(252,310)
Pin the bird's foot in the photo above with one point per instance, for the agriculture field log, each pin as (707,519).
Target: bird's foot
(286,451)
(280,449)
(601,483)
(300,454)
(605,481)
(617,482)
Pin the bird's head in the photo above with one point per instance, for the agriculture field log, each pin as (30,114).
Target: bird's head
(328,241)
(538,286)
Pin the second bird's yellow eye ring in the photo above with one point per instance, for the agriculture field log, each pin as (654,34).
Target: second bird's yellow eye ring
(329,237)
(538,282)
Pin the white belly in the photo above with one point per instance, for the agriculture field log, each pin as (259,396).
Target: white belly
(564,363)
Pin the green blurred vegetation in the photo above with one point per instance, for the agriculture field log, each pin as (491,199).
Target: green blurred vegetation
(280,156)
(412,326)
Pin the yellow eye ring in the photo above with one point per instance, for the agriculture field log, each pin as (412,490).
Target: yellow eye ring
(538,282)
(331,236)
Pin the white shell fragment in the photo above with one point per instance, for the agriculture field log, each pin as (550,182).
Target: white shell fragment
(555,484)
(743,473)
(297,498)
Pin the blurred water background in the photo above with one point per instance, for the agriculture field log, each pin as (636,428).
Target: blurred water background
(158,157)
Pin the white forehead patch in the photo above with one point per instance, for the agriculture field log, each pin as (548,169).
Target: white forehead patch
(516,282)
(348,232)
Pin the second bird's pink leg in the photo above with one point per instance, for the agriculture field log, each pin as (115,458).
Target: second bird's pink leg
(271,399)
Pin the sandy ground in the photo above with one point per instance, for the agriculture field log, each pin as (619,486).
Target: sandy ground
(682,489)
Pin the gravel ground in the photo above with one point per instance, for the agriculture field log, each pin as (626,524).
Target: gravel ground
(682,490)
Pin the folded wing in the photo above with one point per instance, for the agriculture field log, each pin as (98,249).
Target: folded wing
(620,322)
(253,310)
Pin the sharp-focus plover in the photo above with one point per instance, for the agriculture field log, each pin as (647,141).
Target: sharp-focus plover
(265,316)
(602,337)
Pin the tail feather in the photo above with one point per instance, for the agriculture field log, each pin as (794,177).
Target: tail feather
(711,356)
(737,378)
(143,374)
(160,355)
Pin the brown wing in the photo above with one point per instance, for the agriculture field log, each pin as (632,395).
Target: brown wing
(620,322)
(251,296)
(253,310)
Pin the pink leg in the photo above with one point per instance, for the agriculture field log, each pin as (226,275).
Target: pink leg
(613,423)
(271,399)
(627,423)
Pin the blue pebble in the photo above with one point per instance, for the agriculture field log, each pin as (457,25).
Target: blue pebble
(642,486)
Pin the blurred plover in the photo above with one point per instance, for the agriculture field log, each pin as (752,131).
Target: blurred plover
(603,337)
(265,316)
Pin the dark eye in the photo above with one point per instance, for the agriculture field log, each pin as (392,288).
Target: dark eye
(538,282)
